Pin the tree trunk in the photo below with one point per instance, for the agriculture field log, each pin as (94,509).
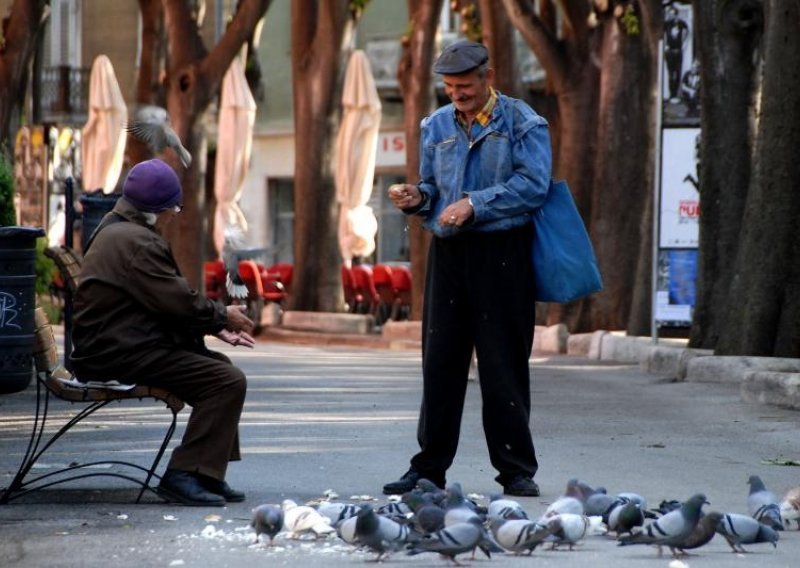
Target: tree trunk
(20,34)
(194,77)
(318,30)
(622,193)
(729,33)
(416,84)
(498,37)
(766,284)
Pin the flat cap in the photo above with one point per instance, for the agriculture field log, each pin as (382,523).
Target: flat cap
(152,186)
(461,57)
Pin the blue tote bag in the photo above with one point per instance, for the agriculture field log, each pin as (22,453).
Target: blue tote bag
(564,263)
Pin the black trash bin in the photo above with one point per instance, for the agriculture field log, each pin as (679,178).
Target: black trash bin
(95,206)
(17,303)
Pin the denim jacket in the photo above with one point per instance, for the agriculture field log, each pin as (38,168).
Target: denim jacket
(505,169)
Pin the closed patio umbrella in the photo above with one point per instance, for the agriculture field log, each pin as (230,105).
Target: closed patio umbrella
(356,146)
(234,143)
(103,136)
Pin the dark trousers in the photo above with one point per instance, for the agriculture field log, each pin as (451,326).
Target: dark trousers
(478,292)
(215,389)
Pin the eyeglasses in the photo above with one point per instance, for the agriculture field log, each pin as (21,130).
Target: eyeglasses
(177,208)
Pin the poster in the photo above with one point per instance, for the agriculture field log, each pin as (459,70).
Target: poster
(679,219)
(675,287)
(681,80)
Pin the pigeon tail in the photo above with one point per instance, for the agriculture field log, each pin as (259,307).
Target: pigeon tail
(235,290)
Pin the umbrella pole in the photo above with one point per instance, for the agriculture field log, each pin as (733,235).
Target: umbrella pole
(69,215)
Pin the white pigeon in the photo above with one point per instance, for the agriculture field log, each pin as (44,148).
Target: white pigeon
(151,125)
(563,505)
(302,519)
(569,528)
(790,507)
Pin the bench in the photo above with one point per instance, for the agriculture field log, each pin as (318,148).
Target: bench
(54,381)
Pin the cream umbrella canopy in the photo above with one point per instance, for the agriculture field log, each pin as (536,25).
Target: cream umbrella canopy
(234,143)
(357,146)
(103,136)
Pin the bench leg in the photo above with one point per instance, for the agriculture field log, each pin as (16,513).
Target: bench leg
(159,455)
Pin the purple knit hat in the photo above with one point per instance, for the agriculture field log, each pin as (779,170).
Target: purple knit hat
(152,186)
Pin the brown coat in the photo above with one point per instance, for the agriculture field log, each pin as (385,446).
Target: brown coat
(132,301)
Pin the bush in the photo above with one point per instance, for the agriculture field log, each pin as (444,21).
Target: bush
(8,216)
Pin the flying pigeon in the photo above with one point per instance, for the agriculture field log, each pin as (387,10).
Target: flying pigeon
(763,505)
(234,242)
(741,529)
(151,125)
(302,519)
(518,535)
(672,529)
(790,507)
(268,520)
(380,534)
(450,541)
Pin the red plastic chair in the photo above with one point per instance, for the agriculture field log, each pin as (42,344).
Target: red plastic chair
(382,277)
(351,298)
(284,270)
(365,287)
(274,291)
(401,280)
(214,279)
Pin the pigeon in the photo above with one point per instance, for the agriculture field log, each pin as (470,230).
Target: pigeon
(302,519)
(395,511)
(567,528)
(380,534)
(702,534)
(450,541)
(268,520)
(561,505)
(624,516)
(151,125)
(671,529)
(790,507)
(741,529)
(337,512)
(458,509)
(500,507)
(428,516)
(518,535)
(763,505)
(234,242)
(346,530)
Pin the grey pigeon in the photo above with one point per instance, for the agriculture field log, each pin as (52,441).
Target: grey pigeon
(561,505)
(624,517)
(380,534)
(568,528)
(450,541)
(428,516)
(763,505)
(501,507)
(518,535)
(702,534)
(671,529)
(458,509)
(151,125)
(396,511)
(346,530)
(337,512)
(268,520)
(741,529)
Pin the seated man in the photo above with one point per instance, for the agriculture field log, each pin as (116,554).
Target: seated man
(137,321)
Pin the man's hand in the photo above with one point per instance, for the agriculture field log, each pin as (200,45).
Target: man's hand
(236,338)
(404,195)
(237,320)
(456,214)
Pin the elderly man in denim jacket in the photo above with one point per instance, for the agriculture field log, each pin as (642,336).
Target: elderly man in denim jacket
(485,166)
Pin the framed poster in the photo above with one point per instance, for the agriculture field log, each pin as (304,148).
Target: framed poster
(675,287)
(679,214)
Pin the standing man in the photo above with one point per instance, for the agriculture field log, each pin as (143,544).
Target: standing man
(138,321)
(485,166)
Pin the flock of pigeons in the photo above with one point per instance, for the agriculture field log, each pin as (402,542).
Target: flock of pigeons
(447,522)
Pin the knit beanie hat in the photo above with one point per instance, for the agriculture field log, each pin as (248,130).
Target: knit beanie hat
(152,186)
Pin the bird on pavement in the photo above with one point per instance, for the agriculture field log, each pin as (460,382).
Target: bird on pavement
(381,534)
(504,508)
(450,541)
(790,507)
(151,125)
(702,534)
(672,529)
(268,520)
(763,505)
(624,516)
(337,512)
(302,519)
(741,529)
(518,535)
(569,528)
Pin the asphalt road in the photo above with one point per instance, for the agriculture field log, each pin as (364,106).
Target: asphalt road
(343,419)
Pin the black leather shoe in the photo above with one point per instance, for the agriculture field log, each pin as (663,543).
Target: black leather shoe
(221,488)
(184,487)
(404,484)
(521,486)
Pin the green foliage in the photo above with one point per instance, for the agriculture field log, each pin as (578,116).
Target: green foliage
(630,21)
(44,267)
(357,8)
(7,215)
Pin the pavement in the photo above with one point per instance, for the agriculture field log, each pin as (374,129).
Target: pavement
(341,416)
